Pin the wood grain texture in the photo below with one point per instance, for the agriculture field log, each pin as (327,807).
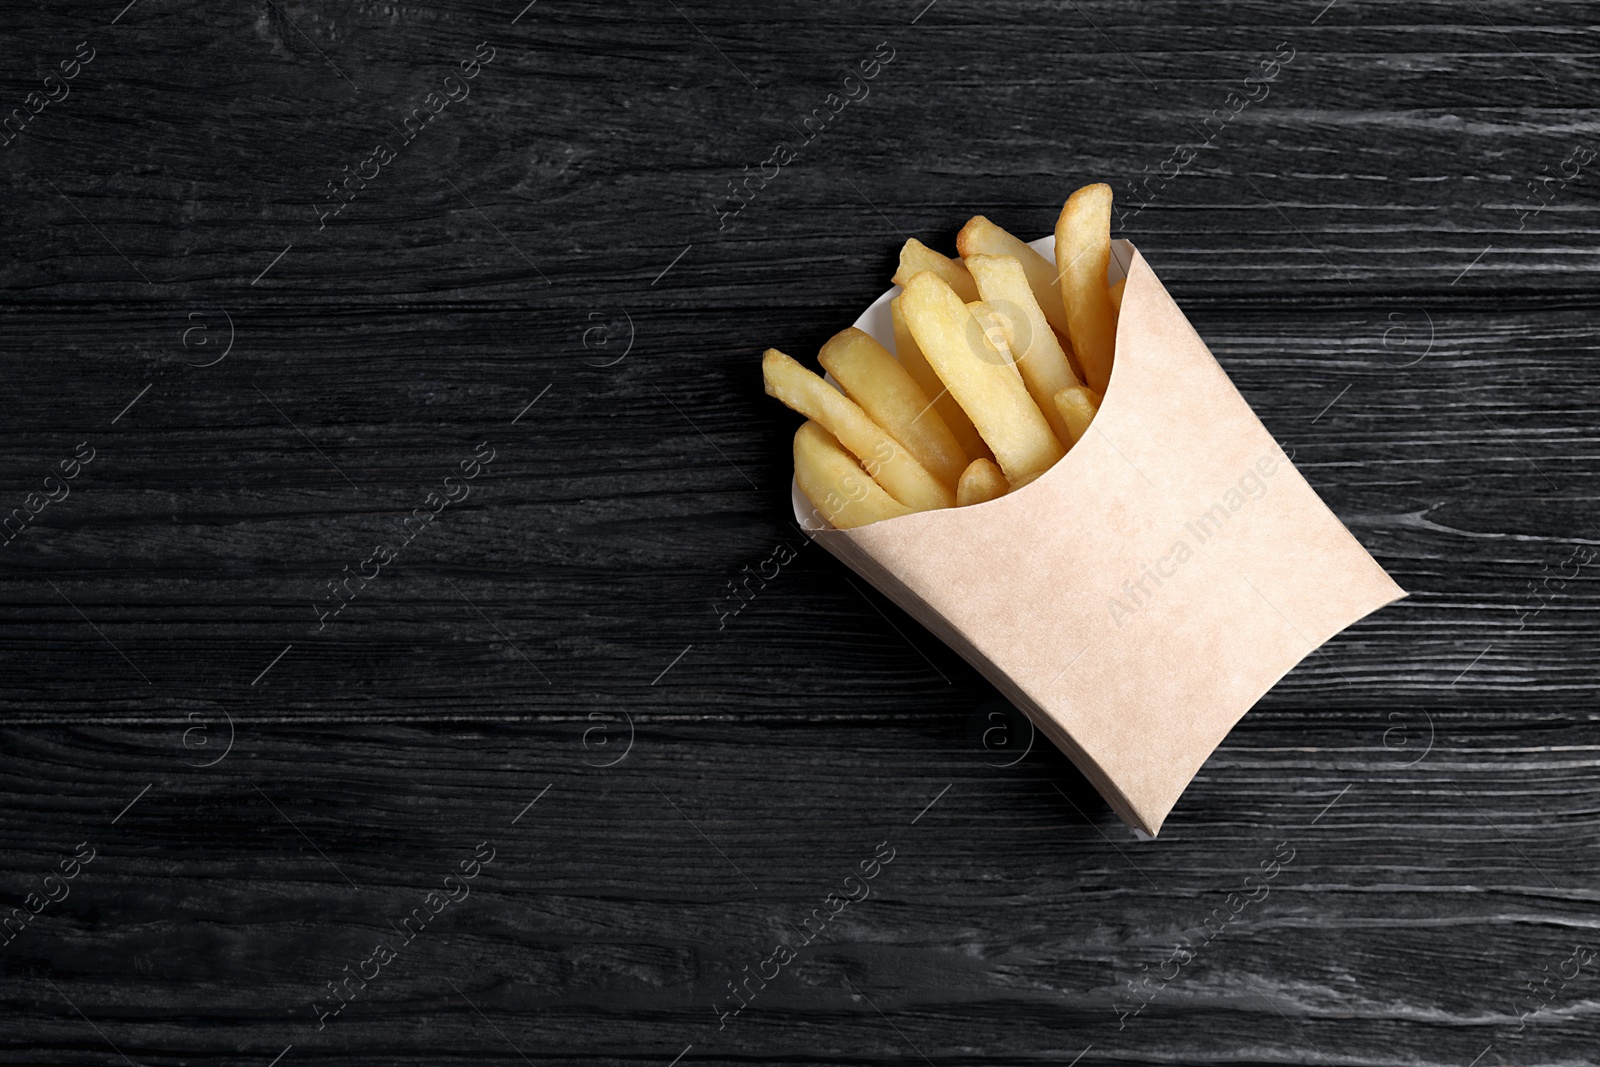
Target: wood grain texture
(1357,246)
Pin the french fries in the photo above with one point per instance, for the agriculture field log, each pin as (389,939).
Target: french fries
(833,481)
(988,389)
(881,455)
(1083,250)
(1045,370)
(1003,358)
(1077,407)
(980,237)
(876,381)
(996,328)
(916,365)
(916,257)
(981,481)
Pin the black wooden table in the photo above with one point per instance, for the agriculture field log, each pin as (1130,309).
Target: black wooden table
(529,790)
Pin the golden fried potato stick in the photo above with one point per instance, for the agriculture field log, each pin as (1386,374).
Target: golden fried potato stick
(835,484)
(1115,293)
(916,365)
(916,257)
(991,393)
(1045,369)
(981,481)
(881,455)
(1077,407)
(876,381)
(996,326)
(1083,248)
(980,237)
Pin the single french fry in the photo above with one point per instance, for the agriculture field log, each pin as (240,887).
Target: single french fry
(1083,248)
(1077,406)
(1043,363)
(980,237)
(916,365)
(871,377)
(916,257)
(996,326)
(1115,293)
(992,394)
(835,484)
(981,481)
(881,455)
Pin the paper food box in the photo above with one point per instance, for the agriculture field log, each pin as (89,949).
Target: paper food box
(1143,593)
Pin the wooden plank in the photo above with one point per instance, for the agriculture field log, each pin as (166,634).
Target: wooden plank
(550,267)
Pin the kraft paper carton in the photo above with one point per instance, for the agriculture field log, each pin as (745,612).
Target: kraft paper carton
(1140,596)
